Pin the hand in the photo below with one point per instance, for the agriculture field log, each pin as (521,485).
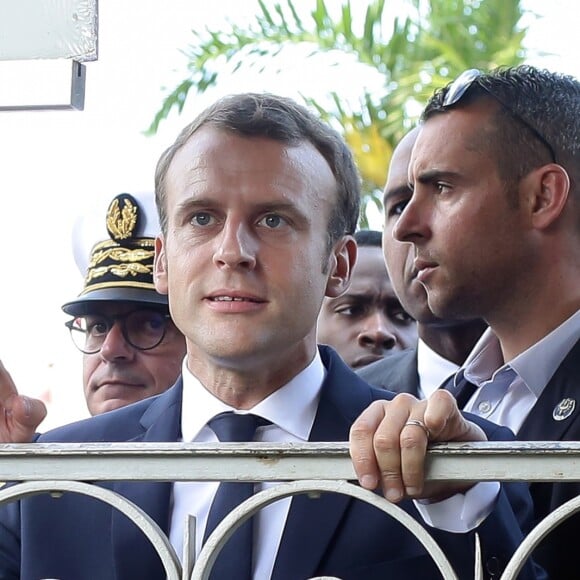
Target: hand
(388,452)
(19,415)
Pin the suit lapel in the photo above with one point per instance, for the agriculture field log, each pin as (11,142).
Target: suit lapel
(407,377)
(397,372)
(311,523)
(134,555)
(540,424)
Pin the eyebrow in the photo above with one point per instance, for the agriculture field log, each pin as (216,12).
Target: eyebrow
(210,202)
(434,175)
(397,192)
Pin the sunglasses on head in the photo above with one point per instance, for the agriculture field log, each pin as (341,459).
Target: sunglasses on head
(458,88)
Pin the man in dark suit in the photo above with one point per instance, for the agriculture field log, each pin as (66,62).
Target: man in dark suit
(367,322)
(131,348)
(443,345)
(494,222)
(258,201)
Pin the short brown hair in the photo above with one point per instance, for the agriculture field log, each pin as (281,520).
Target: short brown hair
(284,120)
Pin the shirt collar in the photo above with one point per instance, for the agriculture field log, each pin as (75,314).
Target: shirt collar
(535,366)
(292,408)
(432,368)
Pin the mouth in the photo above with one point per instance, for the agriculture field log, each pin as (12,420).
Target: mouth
(233,299)
(412,274)
(423,268)
(117,386)
(234,302)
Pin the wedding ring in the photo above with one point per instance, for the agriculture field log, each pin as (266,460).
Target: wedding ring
(417,423)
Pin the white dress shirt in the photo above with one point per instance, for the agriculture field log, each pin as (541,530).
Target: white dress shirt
(291,410)
(534,368)
(433,369)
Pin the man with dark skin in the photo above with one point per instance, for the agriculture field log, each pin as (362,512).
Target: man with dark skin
(367,322)
(443,344)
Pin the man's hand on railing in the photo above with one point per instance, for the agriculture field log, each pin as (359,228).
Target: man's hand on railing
(19,415)
(388,444)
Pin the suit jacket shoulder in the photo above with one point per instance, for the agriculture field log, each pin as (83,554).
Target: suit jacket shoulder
(397,372)
(155,419)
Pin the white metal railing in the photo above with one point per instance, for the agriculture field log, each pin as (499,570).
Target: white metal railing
(299,468)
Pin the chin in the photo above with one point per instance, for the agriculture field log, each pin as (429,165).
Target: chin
(111,405)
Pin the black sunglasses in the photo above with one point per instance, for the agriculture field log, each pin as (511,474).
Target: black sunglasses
(458,88)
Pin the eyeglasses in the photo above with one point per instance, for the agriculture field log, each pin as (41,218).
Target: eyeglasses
(142,329)
(458,88)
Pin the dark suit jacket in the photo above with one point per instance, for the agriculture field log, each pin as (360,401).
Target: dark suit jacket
(557,550)
(396,372)
(77,538)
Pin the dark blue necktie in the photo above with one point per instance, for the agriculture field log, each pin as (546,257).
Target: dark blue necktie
(462,390)
(234,562)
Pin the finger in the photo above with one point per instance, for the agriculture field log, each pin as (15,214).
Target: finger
(413,440)
(20,416)
(28,413)
(7,386)
(20,419)
(361,445)
(388,445)
(446,422)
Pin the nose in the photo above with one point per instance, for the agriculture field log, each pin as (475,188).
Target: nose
(115,347)
(412,225)
(236,247)
(376,333)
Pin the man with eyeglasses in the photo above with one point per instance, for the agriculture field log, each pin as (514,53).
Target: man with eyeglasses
(131,347)
(494,219)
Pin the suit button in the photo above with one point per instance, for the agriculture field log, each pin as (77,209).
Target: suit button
(493,567)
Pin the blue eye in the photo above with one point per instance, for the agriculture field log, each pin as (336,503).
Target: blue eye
(201,219)
(272,221)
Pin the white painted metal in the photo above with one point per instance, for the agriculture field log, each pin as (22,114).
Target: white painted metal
(542,529)
(264,498)
(142,520)
(308,467)
(513,461)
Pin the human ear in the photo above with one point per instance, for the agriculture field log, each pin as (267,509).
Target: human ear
(549,188)
(341,262)
(160,266)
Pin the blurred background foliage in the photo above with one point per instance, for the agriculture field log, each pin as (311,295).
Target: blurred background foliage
(411,46)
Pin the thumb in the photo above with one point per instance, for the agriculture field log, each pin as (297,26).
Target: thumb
(23,418)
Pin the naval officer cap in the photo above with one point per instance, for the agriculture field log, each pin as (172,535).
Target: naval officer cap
(114,247)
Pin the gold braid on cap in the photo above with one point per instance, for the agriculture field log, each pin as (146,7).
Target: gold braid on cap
(121,223)
(124,260)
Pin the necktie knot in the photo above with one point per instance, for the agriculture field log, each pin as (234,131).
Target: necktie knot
(235,427)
